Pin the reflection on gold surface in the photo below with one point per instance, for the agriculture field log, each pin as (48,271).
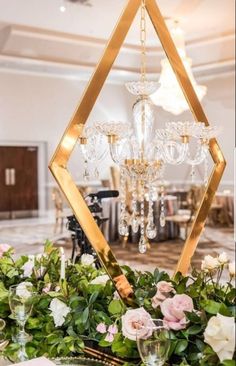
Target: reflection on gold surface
(81,114)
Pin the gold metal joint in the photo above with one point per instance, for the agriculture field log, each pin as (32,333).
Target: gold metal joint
(112,139)
(185,139)
(83,140)
(204,141)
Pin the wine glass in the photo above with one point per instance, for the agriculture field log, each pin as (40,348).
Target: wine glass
(153,343)
(3,341)
(21,298)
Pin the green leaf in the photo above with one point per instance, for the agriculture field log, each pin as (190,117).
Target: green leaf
(116,307)
(228,363)
(232,310)
(224,310)
(231,295)
(181,346)
(212,307)
(181,287)
(54,339)
(200,345)
(85,316)
(3,292)
(93,297)
(34,323)
(195,329)
(104,343)
(193,317)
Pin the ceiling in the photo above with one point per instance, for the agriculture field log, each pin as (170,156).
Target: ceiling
(36,37)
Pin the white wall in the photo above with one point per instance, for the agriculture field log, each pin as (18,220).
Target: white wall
(35,108)
(38,108)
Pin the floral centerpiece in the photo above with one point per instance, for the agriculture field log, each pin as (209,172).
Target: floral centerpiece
(85,308)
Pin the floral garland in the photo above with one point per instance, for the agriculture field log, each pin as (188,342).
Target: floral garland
(84,307)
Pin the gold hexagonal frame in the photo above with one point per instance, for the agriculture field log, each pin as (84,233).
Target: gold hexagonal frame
(58,164)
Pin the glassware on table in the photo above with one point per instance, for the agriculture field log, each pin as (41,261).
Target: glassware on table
(153,343)
(3,341)
(21,298)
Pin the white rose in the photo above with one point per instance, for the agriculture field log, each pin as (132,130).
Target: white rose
(223,258)
(209,263)
(87,259)
(22,290)
(100,280)
(59,311)
(220,335)
(28,266)
(232,269)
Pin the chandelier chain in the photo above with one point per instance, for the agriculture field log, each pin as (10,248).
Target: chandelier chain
(143,37)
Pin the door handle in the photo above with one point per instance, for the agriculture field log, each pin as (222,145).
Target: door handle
(7,177)
(12,177)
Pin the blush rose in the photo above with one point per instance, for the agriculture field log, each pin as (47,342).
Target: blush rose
(137,320)
(164,289)
(173,310)
(4,248)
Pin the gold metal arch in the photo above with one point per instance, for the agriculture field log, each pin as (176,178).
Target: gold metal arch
(58,164)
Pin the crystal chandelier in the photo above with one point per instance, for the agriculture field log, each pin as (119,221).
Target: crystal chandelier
(142,152)
(169,84)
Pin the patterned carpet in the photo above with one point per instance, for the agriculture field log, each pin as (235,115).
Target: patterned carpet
(28,236)
(166,254)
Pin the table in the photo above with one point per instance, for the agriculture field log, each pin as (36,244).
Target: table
(80,361)
(222,209)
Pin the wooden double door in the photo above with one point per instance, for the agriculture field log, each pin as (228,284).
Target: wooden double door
(18,181)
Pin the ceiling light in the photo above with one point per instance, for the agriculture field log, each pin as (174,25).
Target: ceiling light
(62,6)
(168,82)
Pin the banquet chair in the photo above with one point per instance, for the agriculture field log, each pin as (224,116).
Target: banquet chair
(215,213)
(57,198)
(184,218)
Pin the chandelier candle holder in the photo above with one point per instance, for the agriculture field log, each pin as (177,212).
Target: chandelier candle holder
(142,157)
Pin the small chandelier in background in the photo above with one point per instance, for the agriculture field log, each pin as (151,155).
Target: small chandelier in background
(81,2)
(142,152)
(168,82)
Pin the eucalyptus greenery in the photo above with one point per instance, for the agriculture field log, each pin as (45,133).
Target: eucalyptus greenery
(91,304)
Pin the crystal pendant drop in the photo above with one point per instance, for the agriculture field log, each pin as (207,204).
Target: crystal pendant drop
(193,174)
(151,230)
(162,219)
(205,172)
(123,228)
(86,175)
(135,224)
(96,173)
(142,245)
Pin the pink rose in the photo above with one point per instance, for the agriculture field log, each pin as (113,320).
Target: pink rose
(137,320)
(113,329)
(4,248)
(173,310)
(164,286)
(158,299)
(101,328)
(109,337)
(163,291)
(47,288)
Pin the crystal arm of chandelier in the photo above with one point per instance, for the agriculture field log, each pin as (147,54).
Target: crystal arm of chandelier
(92,145)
